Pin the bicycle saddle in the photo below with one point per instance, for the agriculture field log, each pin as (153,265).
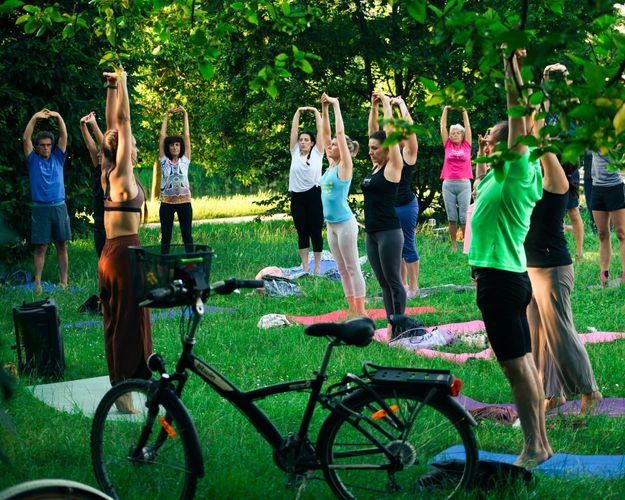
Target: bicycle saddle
(357,332)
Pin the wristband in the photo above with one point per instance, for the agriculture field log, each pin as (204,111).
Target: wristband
(112,86)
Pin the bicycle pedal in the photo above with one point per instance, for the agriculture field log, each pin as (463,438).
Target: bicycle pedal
(297,481)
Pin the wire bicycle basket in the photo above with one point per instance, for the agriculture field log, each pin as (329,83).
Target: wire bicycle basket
(153,269)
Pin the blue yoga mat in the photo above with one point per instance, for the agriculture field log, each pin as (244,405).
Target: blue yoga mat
(170,313)
(46,287)
(327,267)
(561,464)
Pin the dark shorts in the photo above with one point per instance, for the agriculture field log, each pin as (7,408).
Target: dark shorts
(50,223)
(503,297)
(608,198)
(572,201)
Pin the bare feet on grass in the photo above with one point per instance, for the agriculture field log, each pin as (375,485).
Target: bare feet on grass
(590,402)
(554,402)
(125,404)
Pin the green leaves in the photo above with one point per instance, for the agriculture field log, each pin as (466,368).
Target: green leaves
(518,112)
(207,69)
(9,5)
(416,9)
(619,120)
(301,60)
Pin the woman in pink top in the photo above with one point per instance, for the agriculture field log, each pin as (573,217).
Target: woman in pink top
(457,172)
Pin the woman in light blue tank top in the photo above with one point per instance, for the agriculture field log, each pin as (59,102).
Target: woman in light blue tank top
(342,227)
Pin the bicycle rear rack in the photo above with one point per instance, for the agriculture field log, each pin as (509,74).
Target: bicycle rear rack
(385,375)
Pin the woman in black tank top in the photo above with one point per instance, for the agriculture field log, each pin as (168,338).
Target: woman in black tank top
(561,358)
(384,238)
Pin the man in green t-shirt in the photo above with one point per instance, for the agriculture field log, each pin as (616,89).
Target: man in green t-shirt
(505,200)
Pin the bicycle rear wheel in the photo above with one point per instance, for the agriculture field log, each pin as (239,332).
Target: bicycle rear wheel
(355,465)
(137,451)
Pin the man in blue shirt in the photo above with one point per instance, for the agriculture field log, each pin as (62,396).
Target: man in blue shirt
(50,220)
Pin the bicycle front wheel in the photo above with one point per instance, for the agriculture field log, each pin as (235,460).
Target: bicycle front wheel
(141,447)
(373,454)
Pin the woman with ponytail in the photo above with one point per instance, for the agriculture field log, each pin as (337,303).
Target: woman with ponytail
(304,176)
(127,330)
(341,223)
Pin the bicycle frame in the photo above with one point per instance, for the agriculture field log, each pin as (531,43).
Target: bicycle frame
(245,400)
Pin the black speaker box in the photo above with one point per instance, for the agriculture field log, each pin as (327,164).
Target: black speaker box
(40,351)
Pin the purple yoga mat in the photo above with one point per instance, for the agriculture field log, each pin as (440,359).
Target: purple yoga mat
(611,407)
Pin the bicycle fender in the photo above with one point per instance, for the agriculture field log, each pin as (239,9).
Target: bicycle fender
(442,398)
(186,423)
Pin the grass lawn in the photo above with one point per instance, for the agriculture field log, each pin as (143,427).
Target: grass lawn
(238,462)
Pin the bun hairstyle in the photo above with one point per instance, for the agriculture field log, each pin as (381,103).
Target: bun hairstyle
(109,145)
(353,146)
(379,135)
(499,132)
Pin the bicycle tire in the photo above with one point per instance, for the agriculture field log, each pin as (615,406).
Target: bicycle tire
(170,461)
(52,489)
(436,427)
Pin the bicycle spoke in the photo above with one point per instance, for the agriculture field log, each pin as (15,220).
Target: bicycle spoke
(381,454)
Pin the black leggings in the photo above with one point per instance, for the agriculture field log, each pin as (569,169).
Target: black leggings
(384,254)
(185,218)
(307,212)
(503,297)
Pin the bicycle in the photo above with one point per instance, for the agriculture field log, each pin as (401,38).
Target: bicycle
(384,428)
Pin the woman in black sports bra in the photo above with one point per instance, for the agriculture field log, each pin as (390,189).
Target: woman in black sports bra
(127,330)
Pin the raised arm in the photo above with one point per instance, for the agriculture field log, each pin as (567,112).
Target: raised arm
(554,176)
(295,128)
(394,166)
(186,135)
(325,115)
(62,143)
(163,135)
(320,140)
(27,137)
(121,117)
(516,126)
(89,142)
(111,103)
(482,145)
(468,136)
(412,146)
(95,128)
(346,166)
(444,131)
(373,125)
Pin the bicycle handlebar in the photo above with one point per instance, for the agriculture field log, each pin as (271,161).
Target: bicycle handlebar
(228,286)
(177,289)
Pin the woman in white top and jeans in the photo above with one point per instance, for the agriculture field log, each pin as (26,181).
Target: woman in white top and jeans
(304,176)
(175,157)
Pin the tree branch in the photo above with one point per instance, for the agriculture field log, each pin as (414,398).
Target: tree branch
(617,76)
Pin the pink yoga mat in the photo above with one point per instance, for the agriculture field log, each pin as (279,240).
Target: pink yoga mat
(342,315)
(478,326)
